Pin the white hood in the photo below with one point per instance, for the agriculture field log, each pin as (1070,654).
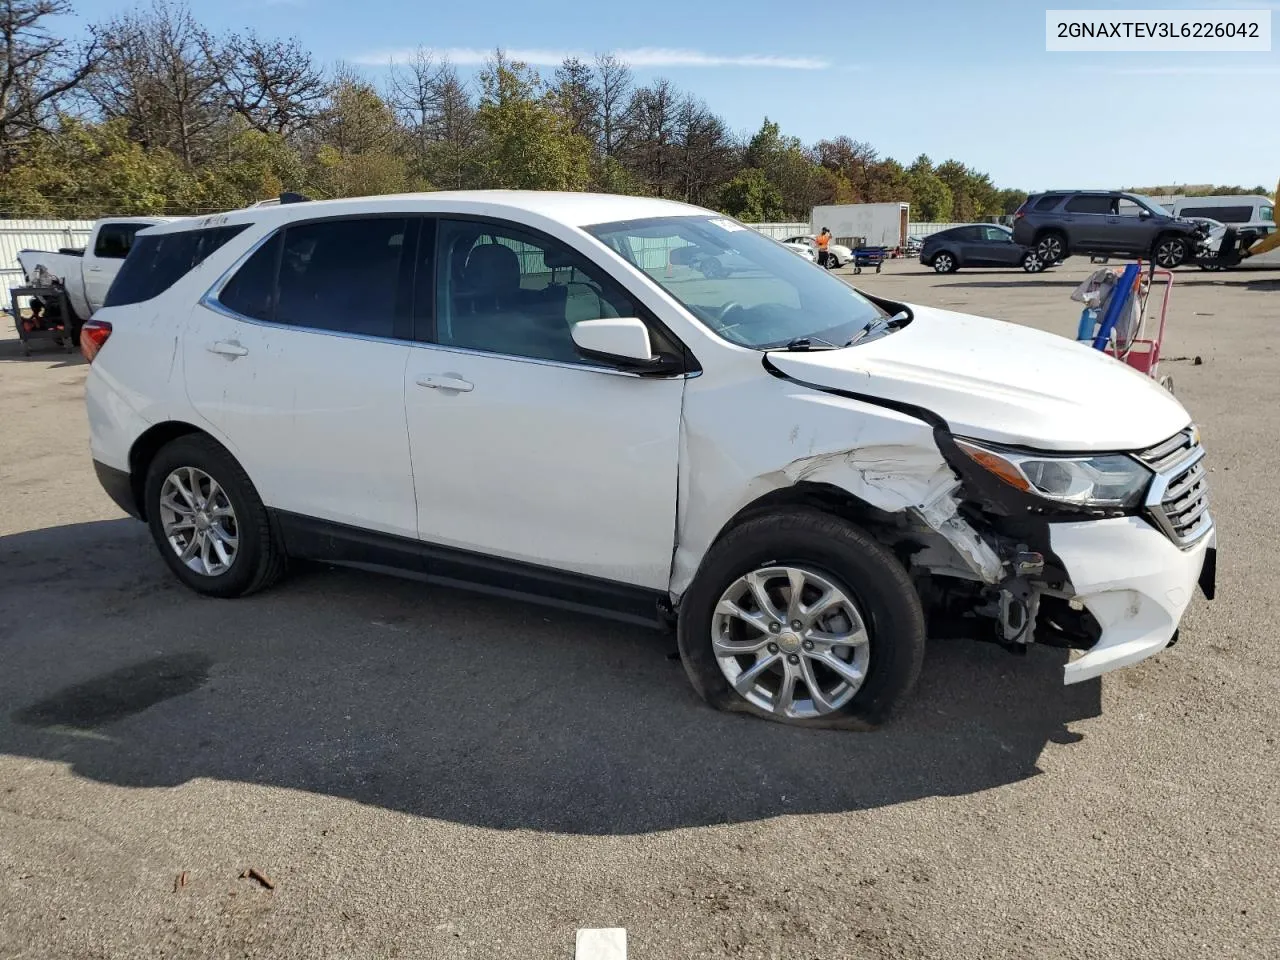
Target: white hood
(1001,382)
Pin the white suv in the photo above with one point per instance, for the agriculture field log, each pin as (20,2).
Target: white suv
(543,395)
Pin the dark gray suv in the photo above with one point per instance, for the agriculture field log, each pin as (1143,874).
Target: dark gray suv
(1104,223)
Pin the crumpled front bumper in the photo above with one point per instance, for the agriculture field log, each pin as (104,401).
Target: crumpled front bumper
(1135,581)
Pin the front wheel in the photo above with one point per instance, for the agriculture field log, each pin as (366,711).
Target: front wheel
(1033,262)
(1170,252)
(802,618)
(944,263)
(208,521)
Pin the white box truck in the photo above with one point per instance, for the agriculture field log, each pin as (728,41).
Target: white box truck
(875,224)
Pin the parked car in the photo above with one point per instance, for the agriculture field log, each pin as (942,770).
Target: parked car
(87,274)
(977,245)
(518,391)
(1256,213)
(802,251)
(1103,223)
(840,254)
(913,246)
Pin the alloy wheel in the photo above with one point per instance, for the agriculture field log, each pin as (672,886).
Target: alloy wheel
(199,521)
(791,641)
(1050,249)
(942,263)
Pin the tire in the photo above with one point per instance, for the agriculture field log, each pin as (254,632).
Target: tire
(1032,262)
(944,262)
(258,558)
(836,554)
(713,269)
(1052,247)
(1169,251)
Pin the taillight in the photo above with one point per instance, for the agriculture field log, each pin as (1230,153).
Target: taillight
(92,336)
(1018,215)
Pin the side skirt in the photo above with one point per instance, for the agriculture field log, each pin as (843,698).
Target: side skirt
(328,542)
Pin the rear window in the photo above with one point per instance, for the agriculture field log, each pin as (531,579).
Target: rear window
(1240,214)
(1049,201)
(115,240)
(159,261)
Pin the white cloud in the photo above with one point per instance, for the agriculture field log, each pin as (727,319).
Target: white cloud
(638,57)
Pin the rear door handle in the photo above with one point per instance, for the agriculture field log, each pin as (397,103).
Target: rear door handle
(446,382)
(228,348)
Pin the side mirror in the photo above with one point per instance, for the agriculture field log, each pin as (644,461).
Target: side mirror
(623,341)
(684,256)
(1144,214)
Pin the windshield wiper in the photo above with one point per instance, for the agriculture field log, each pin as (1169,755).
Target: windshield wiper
(879,325)
(809,343)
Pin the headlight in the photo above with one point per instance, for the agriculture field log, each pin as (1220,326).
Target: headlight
(1111,480)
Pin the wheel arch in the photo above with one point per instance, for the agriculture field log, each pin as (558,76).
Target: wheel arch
(824,497)
(144,450)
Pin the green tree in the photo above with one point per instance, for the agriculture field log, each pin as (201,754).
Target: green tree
(359,146)
(525,143)
(82,171)
(930,196)
(751,197)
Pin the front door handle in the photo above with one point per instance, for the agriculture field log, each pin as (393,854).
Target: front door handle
(228,348)
(446,382)
(95,269)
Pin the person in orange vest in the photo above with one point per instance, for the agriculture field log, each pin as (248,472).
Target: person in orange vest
(824,239)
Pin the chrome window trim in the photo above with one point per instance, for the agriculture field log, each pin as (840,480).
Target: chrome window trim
(210,301)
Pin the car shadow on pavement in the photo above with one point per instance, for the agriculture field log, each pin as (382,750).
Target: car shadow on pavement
(446,704)
(1020,281)
(41,350)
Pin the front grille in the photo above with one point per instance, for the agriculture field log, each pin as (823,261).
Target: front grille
(1179,499)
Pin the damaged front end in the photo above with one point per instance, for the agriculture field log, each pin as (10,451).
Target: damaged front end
(1014,546)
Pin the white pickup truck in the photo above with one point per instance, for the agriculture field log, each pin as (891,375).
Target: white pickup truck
(87,274)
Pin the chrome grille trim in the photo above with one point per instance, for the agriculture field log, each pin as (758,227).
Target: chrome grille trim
(1178,499)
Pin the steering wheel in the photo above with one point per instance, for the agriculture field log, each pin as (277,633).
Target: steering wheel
(728,308)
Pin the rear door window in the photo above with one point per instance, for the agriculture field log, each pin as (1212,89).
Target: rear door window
(116,239)
(1088,203)
(157,261)
(351,275)
(969,234)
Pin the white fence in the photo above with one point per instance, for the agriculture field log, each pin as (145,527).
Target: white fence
(780,231)
(18,235)
(923,230)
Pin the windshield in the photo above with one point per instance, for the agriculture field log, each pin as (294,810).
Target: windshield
(1147,202)
(748,289)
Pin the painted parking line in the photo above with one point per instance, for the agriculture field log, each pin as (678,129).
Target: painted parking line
(607,943)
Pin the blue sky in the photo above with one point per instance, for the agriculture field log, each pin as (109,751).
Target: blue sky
(969,80)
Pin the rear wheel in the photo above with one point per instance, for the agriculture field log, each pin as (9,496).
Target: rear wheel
(944,263)
(1052,248)
(802,618)
(208,521)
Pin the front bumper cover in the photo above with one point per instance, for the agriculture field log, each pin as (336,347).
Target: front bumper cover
(1136,583)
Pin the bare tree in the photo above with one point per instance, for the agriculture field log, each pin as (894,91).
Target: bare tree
(649,131)
(437,110)
(703,152)
(575,96)
(273,84)
(613,83)
(155,72)
(37,69)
